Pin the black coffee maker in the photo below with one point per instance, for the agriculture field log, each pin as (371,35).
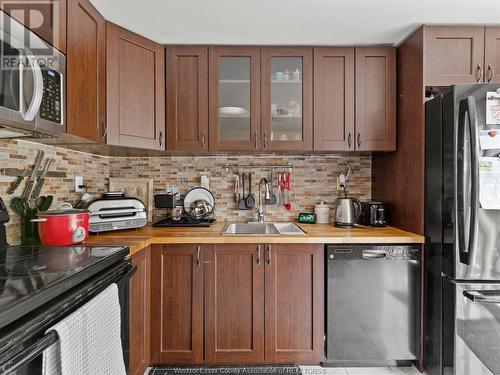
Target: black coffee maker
(4,218)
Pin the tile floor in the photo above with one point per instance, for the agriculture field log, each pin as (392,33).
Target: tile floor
(317,370)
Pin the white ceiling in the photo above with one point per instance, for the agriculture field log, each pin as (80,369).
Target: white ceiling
(297,22)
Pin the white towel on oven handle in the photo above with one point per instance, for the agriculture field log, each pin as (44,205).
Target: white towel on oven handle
(89,339)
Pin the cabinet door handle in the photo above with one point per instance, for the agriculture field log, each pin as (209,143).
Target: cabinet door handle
(104,131)
(359,139)
(256,139)
(203,140)
(268,255)
(349,140)
(265,140)
(198,250)
(491,73)
(479,74)
(258,254)
(160,138)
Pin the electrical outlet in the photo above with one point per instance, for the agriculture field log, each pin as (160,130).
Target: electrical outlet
(341,182)
(339,186)
(78,183)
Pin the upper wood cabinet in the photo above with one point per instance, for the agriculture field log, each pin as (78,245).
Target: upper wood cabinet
(234,99)
(334,98)
(375,70)
(187,98)
(234,318)
(135,90)
(86,71)
(453,55)
(140,313)
(287,98)
(177,304)
(492,55)
(294,303)
(47,19)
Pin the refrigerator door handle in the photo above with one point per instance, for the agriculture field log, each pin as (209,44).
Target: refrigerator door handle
(467,107)
(479,296)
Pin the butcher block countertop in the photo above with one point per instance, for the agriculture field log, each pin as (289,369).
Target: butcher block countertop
(138,239)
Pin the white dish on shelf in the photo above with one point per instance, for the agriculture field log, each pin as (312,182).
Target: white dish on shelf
(232,111)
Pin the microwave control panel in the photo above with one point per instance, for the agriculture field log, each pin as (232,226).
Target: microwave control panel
(51,108)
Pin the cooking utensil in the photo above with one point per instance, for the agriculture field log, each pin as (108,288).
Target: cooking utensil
(15,184)
(242,205)
(31,181)
(288,188)
(20,206)
(250,199)
(41,179)
(63,227)
(195,194)
(274,196)
(43,203)
(200,208)
(237,195)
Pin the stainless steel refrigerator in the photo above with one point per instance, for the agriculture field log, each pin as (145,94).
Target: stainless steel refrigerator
(462,229)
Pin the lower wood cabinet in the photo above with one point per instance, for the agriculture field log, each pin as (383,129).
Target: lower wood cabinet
(294,306)
(234,304)
(140,312)
(237,304)
(177,309)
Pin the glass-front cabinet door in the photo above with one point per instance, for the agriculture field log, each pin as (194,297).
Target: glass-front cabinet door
(234,98)
(286,99)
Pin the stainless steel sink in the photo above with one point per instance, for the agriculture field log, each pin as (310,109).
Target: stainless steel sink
(289,229)
(262,229)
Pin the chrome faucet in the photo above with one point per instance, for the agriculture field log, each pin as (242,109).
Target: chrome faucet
(260,216)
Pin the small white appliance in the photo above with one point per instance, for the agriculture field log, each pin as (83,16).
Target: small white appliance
(115,211)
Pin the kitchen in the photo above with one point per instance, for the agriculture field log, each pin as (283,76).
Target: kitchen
(185,196)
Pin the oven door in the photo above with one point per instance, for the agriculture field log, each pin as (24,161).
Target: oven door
(21,348)
(477,329)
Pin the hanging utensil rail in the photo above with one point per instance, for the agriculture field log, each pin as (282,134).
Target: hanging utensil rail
(227,166)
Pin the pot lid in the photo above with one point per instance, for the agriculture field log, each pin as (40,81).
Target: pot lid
(62,212)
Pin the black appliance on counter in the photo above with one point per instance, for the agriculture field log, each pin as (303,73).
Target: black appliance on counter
(373,214)
(41,285)
(462,231)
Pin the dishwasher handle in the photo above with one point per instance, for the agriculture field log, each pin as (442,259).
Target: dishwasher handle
(374,254)
(483,296)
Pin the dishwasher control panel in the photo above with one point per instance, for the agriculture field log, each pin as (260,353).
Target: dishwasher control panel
(373,252)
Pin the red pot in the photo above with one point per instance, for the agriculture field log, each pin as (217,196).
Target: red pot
(63,227)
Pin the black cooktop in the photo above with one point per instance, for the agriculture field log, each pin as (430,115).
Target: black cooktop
(32,276)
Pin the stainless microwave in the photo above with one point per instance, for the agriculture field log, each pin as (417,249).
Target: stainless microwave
(32,83)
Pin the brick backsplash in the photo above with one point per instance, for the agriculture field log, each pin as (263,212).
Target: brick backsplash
(17,154)
(314,177)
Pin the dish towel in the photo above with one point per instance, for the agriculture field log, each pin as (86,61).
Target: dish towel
(89,340)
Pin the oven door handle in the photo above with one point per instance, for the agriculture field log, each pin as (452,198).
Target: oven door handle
(28,354)
(131,272)
(479,297)
(30,113)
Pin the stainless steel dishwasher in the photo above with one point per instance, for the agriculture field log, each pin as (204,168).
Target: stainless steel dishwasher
(373,299)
